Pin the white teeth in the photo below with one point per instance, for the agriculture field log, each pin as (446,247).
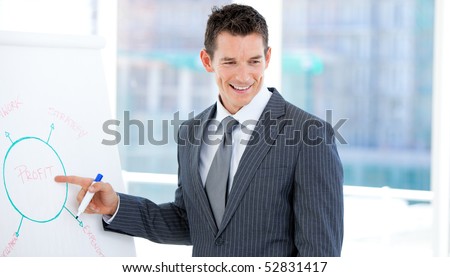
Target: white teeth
(240,88)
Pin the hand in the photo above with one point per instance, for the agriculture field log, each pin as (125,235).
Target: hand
(105,200)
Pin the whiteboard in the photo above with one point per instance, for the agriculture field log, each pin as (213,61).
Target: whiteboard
(53,102)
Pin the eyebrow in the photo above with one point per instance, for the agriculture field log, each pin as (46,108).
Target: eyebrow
(227,59)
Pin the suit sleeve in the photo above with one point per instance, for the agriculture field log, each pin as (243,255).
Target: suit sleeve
(164,223)
(140,217)
(318,194)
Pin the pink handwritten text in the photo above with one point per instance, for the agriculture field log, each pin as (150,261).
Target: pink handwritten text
(68,121)
(93,239)
(37,174)
(9,248)
(11,106)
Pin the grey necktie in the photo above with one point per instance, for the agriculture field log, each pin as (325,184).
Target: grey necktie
(217,179)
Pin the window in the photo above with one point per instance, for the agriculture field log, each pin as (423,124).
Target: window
(372,71)
(367,62)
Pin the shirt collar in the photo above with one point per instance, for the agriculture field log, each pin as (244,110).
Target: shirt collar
(249,114)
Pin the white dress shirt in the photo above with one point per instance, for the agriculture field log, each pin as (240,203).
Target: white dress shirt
(247,117)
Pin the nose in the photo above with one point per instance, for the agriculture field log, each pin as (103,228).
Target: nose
(243,74)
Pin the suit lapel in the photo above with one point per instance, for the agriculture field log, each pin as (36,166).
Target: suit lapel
(196,136)
(264,134)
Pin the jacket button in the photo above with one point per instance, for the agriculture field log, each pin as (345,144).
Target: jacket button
(219,241)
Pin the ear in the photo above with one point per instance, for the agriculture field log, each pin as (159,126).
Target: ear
(267,57)
(206,61)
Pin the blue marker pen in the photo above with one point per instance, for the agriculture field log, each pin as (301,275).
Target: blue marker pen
(88,197)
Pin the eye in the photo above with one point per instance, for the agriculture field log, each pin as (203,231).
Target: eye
(255,61)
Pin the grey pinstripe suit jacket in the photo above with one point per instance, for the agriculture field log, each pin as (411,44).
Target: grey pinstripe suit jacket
(286,198)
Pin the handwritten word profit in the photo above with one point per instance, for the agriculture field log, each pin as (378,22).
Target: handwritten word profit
(36,174)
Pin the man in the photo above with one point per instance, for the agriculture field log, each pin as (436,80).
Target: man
(276,167)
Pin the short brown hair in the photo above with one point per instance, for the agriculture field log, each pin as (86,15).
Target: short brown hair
(236,19)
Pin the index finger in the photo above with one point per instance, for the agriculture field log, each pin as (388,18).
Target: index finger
(76,180)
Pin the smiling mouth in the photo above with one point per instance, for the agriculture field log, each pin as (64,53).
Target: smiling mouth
(240,89)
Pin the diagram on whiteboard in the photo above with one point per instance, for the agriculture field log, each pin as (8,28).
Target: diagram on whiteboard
(26,182)
(49,87)
(29,167)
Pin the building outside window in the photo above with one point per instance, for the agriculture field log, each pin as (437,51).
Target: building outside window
(367,63)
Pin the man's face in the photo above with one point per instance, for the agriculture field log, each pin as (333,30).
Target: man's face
(239,63)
